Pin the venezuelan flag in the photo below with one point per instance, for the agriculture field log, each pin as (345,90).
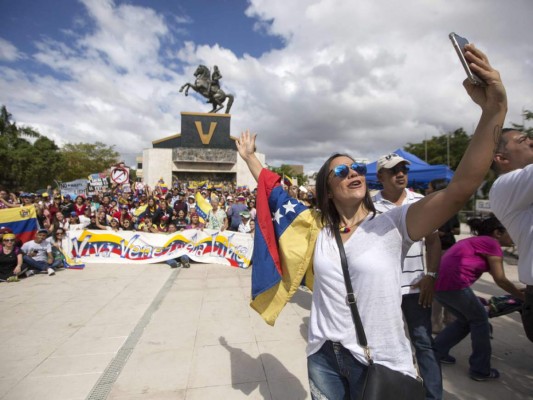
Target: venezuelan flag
(288,181)
(69,262)
(140,210)
(202,206)
(21,220)
(284,242)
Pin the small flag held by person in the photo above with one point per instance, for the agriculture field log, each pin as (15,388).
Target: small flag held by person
(202,206)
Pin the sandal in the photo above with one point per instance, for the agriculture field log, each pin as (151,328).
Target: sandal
(494,374)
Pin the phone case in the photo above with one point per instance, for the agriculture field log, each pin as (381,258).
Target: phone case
(459,45)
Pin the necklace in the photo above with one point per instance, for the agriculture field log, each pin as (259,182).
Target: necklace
(348,228)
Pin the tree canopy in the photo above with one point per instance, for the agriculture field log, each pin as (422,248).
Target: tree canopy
(31,161)
(286,170)
(527,116)
(83,159)
(437,148)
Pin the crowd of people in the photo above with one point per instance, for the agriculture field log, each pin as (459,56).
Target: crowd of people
(159,210)
(148,211)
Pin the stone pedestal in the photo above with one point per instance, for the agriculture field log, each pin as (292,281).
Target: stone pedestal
(203,150)
(203,130)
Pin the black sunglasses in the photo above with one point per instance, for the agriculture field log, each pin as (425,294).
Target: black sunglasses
(398,168)
(341,171)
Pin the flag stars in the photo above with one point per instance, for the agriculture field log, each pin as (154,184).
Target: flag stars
(278,216)
(289,207)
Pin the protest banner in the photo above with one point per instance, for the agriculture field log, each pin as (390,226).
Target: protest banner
(98,183)
(206,246)
(120,175)
(74,188)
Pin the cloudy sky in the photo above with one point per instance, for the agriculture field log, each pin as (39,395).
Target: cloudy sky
(309,76)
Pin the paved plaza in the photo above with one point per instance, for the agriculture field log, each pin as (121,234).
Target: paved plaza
(150,332)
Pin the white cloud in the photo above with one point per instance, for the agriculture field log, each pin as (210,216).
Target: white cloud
(362,77)
(8,52)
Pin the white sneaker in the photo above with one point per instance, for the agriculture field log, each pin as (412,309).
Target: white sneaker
(29,273)
(51,272)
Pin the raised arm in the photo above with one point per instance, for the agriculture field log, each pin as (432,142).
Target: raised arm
(246,148)
(434,210)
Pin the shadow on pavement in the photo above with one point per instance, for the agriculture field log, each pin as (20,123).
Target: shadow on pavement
(303,299)
(240,361)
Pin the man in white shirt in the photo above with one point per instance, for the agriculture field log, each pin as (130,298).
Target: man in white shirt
(244,226)
(417,286)
(38,253)
(511,200)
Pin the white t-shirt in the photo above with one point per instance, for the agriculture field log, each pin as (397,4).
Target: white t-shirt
(42,250)
(511,200)
(374,252)
(413,265)
(244,227)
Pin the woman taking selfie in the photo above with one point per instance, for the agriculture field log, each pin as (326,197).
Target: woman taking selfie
(375,246)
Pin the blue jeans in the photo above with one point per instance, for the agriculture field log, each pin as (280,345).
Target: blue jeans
(174,264)
(334,373)
(418,321)
(40,265)
(527,312)
(471,318)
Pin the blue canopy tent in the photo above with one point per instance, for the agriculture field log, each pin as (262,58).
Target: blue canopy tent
(420,172)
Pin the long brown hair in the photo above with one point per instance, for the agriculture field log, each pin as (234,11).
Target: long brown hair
(330,216)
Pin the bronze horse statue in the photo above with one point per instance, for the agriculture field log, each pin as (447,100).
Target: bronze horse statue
(208,86)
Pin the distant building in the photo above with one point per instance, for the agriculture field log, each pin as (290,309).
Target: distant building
(139,167)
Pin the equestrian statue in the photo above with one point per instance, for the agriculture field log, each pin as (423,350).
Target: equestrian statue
(208,85)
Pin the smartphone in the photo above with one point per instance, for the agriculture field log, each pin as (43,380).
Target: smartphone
(459,44)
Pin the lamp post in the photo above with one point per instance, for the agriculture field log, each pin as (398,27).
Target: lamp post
(425,147)
(448,149)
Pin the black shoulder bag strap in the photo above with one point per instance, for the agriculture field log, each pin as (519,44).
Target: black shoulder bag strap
(350,298)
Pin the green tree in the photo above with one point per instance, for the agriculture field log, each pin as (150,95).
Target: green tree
(437,148)
(83,159)
(528,115)
(28,164)
(45,164)
(286,170)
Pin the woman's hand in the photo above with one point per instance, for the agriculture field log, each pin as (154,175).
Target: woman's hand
(491,97)
(246,148)
(246,144)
